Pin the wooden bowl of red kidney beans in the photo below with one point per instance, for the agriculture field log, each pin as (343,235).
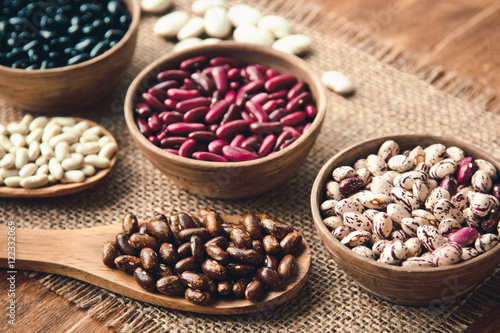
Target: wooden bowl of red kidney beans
(230,120)
(58,56)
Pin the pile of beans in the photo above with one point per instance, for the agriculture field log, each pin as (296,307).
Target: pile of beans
(221,109)
(35,152)
(48,33)
(203,257)
(422,207)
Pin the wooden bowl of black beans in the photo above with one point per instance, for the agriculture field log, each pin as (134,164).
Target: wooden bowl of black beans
(61,56)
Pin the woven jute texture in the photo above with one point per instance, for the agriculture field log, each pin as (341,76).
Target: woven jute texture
(395,94)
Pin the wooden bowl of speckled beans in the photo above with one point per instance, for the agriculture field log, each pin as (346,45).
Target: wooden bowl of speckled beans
(421,286)
(222,178)
(71,85)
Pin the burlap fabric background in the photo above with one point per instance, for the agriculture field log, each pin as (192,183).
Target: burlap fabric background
(394,94)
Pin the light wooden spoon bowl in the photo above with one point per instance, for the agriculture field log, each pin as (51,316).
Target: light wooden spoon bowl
(77,254)
(60,189)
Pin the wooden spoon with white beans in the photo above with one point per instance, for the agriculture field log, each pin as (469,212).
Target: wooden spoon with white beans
(59,188)
(77,254)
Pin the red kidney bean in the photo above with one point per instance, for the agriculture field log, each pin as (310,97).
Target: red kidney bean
(238,154)
(294,118)
(193,63)
(263,128)
(231,128)
(260,98)
(230,96)
(247,116)
(203,136)
(233,74)
(280,82)
(256,73)
(188,104)
(162,135)
(172,74)
(234,85)
(172,151)
(295,103)
(267,145)
(270,73)
(206,156)
(256,110)
(153,140)
(204,82)
(250,87)
(172,141)
(170,104)
(185,128)
(217,111)
(306,127)
(281,94)
(196,114)
(189,85)
(232,113)
(219,76)
(142,124)
(182,94)
(216,96)
(280,103)
(269,106)
(159,94)
(237,140)
(250,143)
(143,110)
(311,111)
(277,114)
(166,85)
(187,148)
(285,135)
(153,102)
(287,143)
(294,131)
(213,127)
(218,61)
(215,146)
(154,123)
(297,89)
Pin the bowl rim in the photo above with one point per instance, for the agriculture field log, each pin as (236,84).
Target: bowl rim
(134,8)
(327,168)
(321,101)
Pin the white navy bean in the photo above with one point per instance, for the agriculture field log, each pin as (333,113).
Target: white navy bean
(61,151)
(42,170)
(8,161)
(81,126)
(199,7)
(88,148)
(18,140)
(294,44)
(17,128)
(34,181)
(6,173)
(88,170)
(28,170)
(108,150)
(73,176)
(14,181)
(38,122)
(35,135)
(51,131)
(73,163)
(46,150)
(95,130)
(247,33)
(243,14)
(102,141)
(89,138)
(5,142)
(22,158)
(55,168)
(3,130)
(63,121)
(97,161)
(27,119)
(41,160)
(69,137)
(34,151)
(211,40)
(52,179)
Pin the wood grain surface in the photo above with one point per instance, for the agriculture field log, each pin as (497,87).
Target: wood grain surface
(459,35)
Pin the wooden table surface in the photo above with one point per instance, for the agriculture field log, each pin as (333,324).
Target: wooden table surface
(459,35)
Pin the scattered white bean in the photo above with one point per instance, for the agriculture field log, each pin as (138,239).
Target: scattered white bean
(170,24)
(217,22)
(155,6)
(243,14)
(193,28)
(337,82)
(199,7)
(34,181)
(276,25)
(294,44)
(187,43)
(251,34)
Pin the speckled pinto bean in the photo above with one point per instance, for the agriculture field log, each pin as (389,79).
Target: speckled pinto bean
(228,99)
(204,258)
(426,206)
